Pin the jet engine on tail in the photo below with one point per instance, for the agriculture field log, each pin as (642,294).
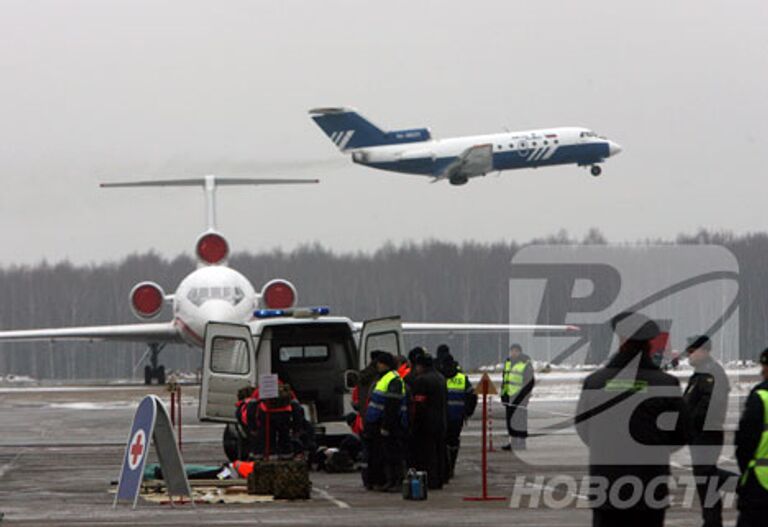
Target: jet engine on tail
(147,299)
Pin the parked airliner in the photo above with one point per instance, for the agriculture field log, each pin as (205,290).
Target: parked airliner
(213,292)
(458,159)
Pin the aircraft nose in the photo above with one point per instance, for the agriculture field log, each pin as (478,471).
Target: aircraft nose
(218,311)
(614,148)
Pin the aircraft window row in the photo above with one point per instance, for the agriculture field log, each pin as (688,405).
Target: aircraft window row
(198,295)
(524,146)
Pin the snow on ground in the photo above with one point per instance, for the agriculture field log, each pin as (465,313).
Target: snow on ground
(563,382)
(16,379)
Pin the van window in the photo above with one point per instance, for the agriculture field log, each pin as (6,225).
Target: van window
(230,356)
(312,358)
(388,341)
(295,354)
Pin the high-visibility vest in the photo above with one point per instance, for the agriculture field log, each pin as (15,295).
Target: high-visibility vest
(759,461)
(457,396)
(242,411)
(512,379)
(243,468)
(379,397)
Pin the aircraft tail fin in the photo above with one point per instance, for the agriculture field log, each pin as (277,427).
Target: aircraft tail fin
(208,184)
(348,129)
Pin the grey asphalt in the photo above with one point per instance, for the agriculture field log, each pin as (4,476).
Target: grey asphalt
(61,447)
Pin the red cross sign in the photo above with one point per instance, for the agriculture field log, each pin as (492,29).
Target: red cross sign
(137,448)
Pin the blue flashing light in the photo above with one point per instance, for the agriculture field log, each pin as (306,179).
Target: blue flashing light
(269,313)
(317,311)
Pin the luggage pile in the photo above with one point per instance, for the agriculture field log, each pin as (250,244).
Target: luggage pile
(285,480)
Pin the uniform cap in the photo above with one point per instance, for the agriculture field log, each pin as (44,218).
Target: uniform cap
(425,360)
(635,326)
(386,358)
(415,353)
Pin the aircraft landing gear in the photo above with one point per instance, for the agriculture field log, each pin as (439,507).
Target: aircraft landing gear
(153,370)
(595,170)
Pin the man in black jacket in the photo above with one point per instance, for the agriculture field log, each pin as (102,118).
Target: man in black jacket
(632,416)
(429,395)
(706,397)
(752,454)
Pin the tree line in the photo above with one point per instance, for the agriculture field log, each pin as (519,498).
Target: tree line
(430,281)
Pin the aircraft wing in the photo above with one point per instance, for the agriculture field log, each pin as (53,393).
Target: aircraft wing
(475,161)
(465,328)
(438,327)
(155,332)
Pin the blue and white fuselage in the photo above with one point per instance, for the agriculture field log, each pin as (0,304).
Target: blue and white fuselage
(460,158)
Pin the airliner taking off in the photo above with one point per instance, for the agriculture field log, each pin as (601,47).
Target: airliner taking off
(458,159)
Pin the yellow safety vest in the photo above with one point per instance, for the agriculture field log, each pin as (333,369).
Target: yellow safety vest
(457,394)
(512,379)
(457,383)
(759,461)
(378,398)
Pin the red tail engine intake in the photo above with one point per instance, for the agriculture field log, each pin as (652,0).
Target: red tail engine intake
(147,300)
(212,248)
(279,294)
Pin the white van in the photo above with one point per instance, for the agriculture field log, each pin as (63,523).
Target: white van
(319,356)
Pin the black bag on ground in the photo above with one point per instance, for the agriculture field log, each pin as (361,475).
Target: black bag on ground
(262,480)
(291,481)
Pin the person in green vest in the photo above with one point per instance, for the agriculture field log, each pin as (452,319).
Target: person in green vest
(386,427)
(462,401)
(516,387)
(752,454)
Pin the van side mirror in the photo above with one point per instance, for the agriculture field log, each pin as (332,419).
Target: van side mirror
(351,379)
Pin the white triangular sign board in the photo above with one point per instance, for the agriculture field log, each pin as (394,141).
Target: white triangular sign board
(151,421)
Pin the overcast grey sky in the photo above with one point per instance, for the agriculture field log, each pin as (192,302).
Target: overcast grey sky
(105,90)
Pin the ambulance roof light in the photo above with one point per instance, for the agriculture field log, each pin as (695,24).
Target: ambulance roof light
(297,312)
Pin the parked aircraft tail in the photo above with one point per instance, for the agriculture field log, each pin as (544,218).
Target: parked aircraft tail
(348,129)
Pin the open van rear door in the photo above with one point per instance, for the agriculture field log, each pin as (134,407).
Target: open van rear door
(229,363)
(381,334)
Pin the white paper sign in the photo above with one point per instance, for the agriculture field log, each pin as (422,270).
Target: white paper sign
(268,386)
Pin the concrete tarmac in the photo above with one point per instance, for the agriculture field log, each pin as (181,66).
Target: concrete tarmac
(60,447)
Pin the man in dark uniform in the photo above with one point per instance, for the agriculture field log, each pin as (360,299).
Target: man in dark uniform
(386,422)
(427,446)
(706,397)
(516,387)
(462,401)
(443,357)
(752,454)
(632,416)
(413,356)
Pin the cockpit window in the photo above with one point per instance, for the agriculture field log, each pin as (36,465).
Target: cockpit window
(588,133)
(198,295)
